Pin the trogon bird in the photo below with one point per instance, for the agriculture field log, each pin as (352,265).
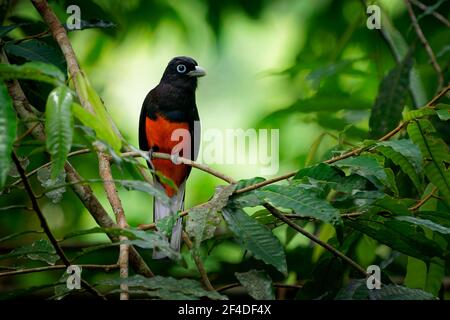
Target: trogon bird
(169,110)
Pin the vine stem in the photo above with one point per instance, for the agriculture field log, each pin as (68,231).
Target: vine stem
(46,228)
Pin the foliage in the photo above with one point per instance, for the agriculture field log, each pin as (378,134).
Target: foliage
(361,201)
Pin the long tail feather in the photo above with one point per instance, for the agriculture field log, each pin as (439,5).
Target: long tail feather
(161,211)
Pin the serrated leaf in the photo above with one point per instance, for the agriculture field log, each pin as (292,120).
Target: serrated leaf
(257,283)
(8,128)
(186,287)
(59,127)
(301,201)
(399,235)
(203,220)
(366,166)
(403,163)
(396,292)
(256,238)
(407,149)
(44,177)
(387,110)
(38,71)
(435,154)
(357,290)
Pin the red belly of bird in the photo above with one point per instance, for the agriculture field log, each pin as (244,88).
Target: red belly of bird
(159,133)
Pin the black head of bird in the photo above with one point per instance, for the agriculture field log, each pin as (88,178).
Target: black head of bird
(183,72)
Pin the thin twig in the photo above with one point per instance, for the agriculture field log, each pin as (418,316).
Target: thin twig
(425,43)
(116,204)
(105,268)
(46,228)
(33,172)
(425,199)
(275,212)
(198,263)
(188,162)
(437,15)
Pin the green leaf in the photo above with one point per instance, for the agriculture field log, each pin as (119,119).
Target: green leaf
(88,93)
(407,149)
(37,50)
(320,103)
(59,127)
(203,219)
(387,110)
(166,224)
(357,290)
(145,187)
(166,287)
(416,274)
(400,48)
(425,223)
(4,30)
(403,163)
(321,171)
(8,128)
(301,201)
(435,154)
(399,235)
(256,238)
(257,283)
(419,113)
(38,71)
(443,111)
(366,166)
(143,239)
(44,177)
(396,292)
(40,250)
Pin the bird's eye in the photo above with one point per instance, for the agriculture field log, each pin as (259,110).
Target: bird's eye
(181,68)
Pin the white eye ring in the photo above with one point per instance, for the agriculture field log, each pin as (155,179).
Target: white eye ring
(181,68)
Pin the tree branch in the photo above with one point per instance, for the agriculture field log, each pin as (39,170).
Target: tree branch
(437,15)
(425,43)
(46,228)
(26,112)
(116,204)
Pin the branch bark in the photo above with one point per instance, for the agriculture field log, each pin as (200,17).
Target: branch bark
(116,205)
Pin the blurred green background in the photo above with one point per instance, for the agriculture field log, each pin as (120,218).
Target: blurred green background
(261,57)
